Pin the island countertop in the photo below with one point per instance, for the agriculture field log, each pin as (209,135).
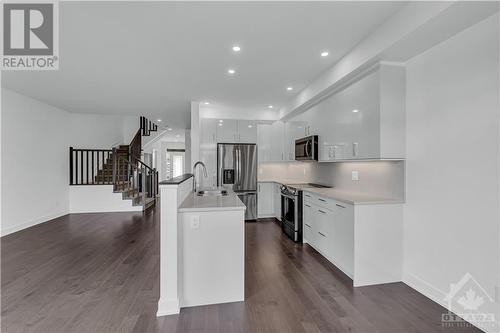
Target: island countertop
(196,203)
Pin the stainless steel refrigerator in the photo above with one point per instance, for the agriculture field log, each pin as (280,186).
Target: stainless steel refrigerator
(237,169)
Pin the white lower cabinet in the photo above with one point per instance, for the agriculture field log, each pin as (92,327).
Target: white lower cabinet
(265,200)
(328,227)
(363,241)
(309,226)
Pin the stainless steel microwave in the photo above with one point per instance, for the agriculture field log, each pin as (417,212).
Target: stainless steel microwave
(306,149)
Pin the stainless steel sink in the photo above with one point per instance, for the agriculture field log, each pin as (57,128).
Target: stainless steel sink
(212,192)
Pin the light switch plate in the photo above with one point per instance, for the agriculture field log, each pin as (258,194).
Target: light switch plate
(355,175)
(195,222)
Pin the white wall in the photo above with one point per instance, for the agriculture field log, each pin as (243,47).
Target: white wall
(383,178)
(35,142)
(451,218)
(106,131)
(98,199)
(34,162)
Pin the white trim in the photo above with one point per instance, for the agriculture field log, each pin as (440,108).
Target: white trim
(168,307)
(47,218)
(435,294)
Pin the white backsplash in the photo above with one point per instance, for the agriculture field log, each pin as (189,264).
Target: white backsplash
(383,178)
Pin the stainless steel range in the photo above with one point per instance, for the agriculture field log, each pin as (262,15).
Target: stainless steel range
(291,208)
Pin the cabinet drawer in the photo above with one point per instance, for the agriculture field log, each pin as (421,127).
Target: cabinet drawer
(323,219)
(325,202)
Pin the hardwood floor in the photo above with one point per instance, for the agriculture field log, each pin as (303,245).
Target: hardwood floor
(100,273)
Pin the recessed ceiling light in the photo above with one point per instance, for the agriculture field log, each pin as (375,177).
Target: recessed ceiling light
(220,124)
(221,121)
(289,88)
(324,54)
(236,48)
(159,120)
(231,71)
(270,106)
(206,103)
(355,110)
(249,126)
(169,129)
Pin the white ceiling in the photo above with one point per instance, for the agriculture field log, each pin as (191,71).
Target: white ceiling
(153,58)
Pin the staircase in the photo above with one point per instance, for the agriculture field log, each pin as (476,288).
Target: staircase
(120,166)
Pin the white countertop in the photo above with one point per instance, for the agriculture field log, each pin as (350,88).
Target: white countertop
(353,198)
(195,203)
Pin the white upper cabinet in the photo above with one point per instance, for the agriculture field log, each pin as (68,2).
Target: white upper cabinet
(208,148)
(277,141)
(247,131)
(264,140)
(293,130)
(227,131)
(365,120)
(239,131)
(208,137)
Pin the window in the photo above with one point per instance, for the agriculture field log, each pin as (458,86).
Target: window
(175,163)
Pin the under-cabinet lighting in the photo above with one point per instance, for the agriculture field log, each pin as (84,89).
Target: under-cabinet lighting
(236,48)
(324,54)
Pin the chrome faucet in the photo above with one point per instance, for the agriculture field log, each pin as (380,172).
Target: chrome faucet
(194,173)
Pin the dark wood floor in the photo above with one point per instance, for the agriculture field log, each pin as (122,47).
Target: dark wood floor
(100,273)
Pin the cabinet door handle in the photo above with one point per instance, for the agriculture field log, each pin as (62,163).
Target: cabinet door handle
(307,225)
(339,206)
(321,211)
(321,199)
(307,205)
(307,195)
(355,148)
(322,234)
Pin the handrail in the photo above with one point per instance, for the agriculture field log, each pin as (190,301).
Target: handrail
(139,177)
(144,164)
(86,166)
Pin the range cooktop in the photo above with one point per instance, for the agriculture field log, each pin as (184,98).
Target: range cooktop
(299,186)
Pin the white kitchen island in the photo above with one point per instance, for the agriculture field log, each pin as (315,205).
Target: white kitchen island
(202,247)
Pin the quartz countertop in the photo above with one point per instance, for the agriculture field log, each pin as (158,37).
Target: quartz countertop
(353,198)
(196,203)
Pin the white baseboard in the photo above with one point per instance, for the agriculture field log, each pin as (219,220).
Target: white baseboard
(10,230)
(435,294)
(168,307)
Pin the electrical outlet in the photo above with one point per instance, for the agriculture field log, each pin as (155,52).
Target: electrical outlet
(497,294)
(195,222)
(355,175)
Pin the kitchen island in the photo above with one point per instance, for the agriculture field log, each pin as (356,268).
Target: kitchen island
(202,247)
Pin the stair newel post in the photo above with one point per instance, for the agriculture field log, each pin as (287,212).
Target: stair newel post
(115,160)
(143,185)
(71,165)
(154,183)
